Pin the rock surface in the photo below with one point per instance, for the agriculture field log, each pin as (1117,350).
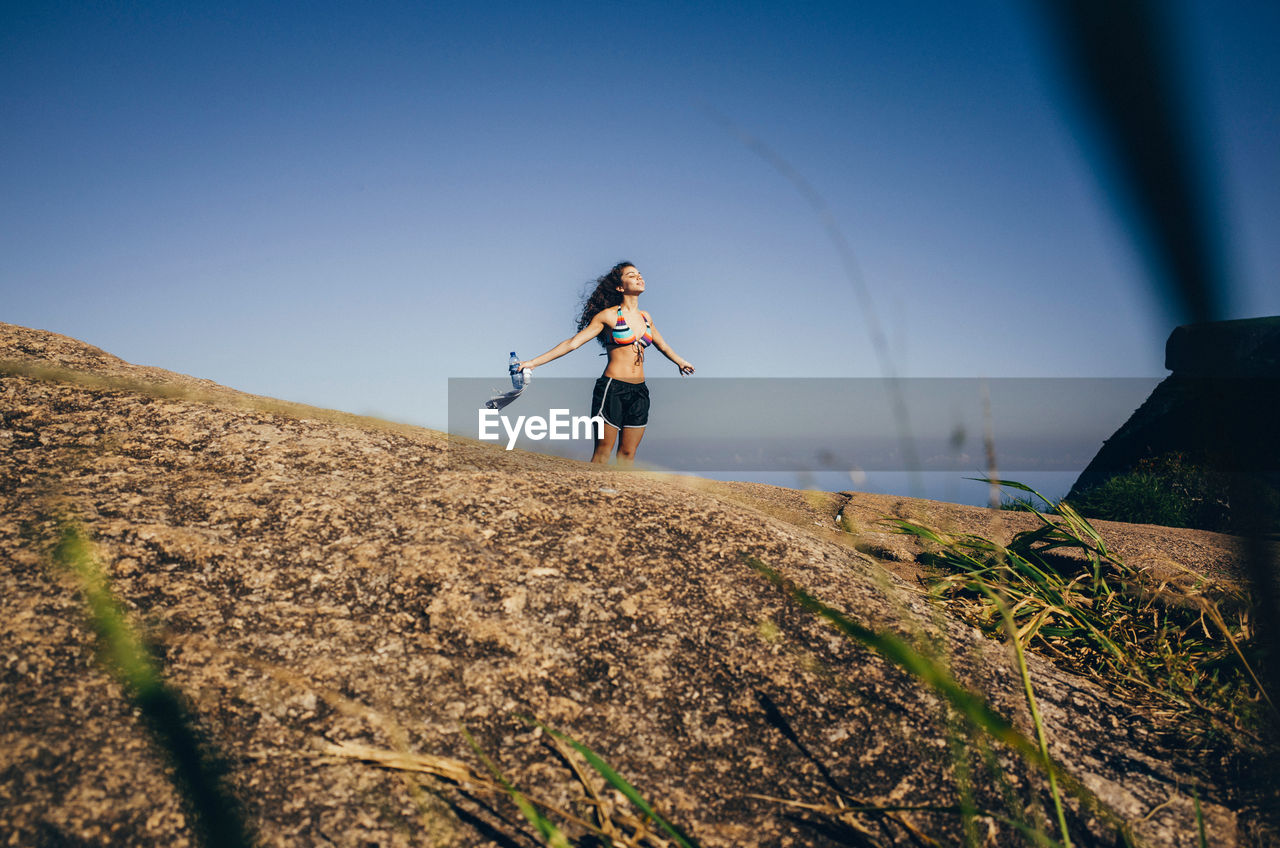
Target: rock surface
(312,579)
(1218,407)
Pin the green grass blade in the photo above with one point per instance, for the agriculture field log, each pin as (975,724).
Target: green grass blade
(1041,737)
(217,817)
(551,834)
(618,782)
(919,530)
(902,654)
(973,707)
(1011,484)
(1204,842)
(1078,521)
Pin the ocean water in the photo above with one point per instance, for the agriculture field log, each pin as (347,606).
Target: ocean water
(949,486)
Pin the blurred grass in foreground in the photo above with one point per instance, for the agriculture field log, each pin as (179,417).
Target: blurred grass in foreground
(980,717)
(1180,642)
(218,819)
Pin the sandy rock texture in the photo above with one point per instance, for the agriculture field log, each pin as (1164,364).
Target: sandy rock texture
(310,579)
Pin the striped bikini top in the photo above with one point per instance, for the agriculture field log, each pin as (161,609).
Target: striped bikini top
(624,335)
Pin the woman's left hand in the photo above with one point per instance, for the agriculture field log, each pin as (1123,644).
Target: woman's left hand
(685,369)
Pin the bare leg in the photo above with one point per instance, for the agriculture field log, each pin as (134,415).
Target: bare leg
(631,437)
(604,444)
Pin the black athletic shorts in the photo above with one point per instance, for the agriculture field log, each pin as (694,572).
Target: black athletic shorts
(620,404)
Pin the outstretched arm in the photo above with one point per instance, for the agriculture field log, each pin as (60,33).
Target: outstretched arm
(661,344)
(580,338)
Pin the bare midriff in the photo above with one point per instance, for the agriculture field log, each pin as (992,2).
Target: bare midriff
(624,365)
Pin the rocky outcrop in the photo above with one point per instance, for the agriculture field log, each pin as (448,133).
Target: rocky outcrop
(315,583)
(1218,408)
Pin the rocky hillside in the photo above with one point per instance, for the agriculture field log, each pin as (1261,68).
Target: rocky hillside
(335,599)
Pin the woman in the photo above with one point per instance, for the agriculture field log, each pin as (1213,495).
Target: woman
(612,314)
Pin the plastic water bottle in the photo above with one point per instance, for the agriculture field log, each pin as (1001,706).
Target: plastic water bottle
(517,376)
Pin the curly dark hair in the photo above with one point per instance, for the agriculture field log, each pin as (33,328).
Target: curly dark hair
(603,296)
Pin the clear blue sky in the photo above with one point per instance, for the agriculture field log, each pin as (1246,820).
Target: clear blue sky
(346,205)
